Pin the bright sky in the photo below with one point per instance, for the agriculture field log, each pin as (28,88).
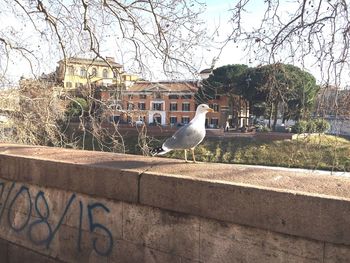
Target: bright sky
(217,15)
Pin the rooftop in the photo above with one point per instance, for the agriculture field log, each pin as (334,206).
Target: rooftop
(164,85)
(95,62)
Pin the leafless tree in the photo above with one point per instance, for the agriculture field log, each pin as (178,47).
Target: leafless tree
(147,35)
(145,32)
(312,34)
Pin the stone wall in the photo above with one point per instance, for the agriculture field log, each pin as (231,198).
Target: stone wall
(59,205)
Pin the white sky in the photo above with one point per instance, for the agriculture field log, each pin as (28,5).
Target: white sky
(216,15)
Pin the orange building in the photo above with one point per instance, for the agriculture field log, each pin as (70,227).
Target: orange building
(166,103)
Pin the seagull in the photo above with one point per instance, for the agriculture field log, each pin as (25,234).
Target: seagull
(188,136)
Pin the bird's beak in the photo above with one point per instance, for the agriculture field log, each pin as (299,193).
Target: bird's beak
(210,110)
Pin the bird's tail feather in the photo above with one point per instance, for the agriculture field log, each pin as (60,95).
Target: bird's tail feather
(159,151)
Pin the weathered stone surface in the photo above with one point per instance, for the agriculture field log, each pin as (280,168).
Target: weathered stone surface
(90,179)
(336,253)
(18,254)
(70,250)
(3,250)
(177,194)
(227,242)
(279,178)
(120,208)
(323,218)
(128,252)
(25,237)
(172,233)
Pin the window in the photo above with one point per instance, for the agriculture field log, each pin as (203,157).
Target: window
(105,73)
(142,106)
(83,72)
(126,77)
(68,84)
(217,97)
(157,119)
(173,97)
(71,70)
(115,118)
(210,106)
(216,107)
(143,96)
(186,96)
(130,106)
(173,106)
(94,72)
(157,106)
(130,97)
(214,122)
(185,106)
(185,120)
(173,120)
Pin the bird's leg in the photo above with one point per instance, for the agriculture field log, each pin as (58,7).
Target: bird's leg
(186,156)
(194,158)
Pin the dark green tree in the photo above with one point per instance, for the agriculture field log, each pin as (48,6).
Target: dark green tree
(270,90)
(77,107)
(279,88)
(222,81)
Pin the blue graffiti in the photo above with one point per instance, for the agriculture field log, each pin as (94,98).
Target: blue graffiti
(42,220)
(61,220)
(96,226)
(42,211)
(23,189)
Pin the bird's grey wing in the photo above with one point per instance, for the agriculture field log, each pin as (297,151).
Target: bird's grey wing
(185,138)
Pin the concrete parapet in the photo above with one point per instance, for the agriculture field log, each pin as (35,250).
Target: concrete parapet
(80,206)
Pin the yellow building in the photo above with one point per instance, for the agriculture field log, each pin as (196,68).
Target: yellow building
(77,72)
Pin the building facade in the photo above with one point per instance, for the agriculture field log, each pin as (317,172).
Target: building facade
(75,73)
(165,103)
(123,99)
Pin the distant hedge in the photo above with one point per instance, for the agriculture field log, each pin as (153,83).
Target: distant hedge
(312,126)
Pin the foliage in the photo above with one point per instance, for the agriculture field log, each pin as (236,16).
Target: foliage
(266,88)
(39,117)
(310,33)
(311,126)
(279,86)
(77,107)
(222,81)
(300,127)
(313,152)
(265,129)
(322,125)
